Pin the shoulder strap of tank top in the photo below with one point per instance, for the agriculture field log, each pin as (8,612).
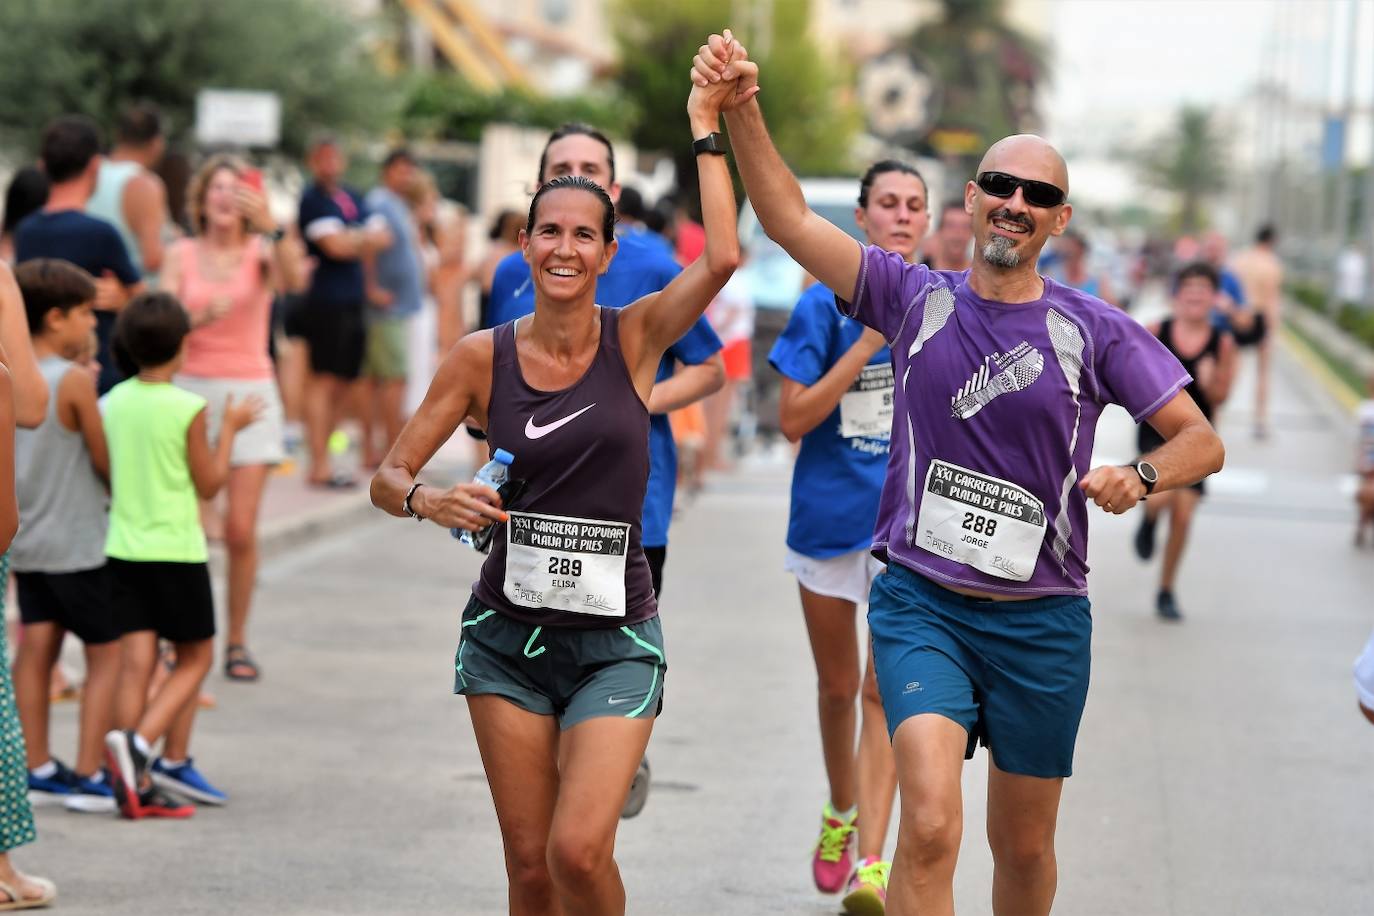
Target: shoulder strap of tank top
(503,343)
(610,328)
(1165,335)
(1213,343)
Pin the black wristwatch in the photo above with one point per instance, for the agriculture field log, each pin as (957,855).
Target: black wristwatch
(711,143)
(1148,475)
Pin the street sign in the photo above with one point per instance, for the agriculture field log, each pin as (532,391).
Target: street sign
(237,117)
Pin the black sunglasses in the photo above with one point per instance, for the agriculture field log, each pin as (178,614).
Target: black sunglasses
(1037,193)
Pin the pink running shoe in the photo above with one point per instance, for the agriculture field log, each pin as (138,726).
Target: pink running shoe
(834,858)
(867,891)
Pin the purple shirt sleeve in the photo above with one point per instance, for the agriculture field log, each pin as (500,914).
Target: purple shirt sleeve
(887,290)
(1133,368)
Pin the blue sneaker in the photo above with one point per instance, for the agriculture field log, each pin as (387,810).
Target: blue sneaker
(93,795)
(54,789)
(185,780)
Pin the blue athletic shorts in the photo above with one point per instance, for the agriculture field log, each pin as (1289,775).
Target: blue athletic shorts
(574,675)
(1014,674)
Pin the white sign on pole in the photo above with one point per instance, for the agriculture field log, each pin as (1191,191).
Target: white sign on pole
(237,117)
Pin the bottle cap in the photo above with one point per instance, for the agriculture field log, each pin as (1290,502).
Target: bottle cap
(503,456)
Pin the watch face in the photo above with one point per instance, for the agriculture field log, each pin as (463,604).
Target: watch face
(1147,472)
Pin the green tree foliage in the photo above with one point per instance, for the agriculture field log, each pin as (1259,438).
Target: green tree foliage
(989,73)
(1191,162)
(445,106)
(804,98)
(95,57)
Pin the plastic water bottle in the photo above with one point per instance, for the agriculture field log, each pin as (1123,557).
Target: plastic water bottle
(492,474)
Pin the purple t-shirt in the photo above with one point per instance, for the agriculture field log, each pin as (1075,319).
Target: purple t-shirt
(995,411)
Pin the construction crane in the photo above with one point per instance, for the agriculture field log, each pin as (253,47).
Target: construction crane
(465,38)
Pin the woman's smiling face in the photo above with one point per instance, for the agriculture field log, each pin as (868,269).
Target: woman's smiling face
(565,249)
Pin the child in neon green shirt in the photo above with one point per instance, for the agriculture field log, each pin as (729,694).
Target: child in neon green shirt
(161,461)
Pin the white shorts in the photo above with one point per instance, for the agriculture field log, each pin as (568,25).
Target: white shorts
(1364,675)
(847,576)
(262,441)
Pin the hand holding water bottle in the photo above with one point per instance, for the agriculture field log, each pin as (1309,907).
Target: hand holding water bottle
(465,507)
(485,483)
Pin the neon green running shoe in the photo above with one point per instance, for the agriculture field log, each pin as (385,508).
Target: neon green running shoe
(867,891)
(834,857)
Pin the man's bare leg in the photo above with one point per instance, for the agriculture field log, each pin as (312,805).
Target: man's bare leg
(930,758)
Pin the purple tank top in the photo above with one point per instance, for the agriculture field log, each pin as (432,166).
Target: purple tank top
(571,554)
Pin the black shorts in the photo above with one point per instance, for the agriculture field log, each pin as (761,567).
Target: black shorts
(289,310)
(76,601)
(171,599)
(337,335)
(1256,334)
(656,557)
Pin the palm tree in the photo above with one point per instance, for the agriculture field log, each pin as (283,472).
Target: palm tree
(990,72)
(1191,162)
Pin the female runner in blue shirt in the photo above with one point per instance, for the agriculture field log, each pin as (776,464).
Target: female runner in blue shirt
(837,399)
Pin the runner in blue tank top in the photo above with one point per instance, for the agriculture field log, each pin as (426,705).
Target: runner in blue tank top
(837,399)
(561,656)
(981,625)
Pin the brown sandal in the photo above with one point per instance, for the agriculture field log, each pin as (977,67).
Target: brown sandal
(239,665)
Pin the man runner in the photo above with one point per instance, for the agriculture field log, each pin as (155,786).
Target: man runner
(1261,276)
(981,624)
(949,247)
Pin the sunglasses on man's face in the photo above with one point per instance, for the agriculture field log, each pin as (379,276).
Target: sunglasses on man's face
(1036,193)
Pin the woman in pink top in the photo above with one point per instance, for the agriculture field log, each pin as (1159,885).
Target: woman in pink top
(226,274)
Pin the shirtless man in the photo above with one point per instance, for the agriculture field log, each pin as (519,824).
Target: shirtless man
(1261,274)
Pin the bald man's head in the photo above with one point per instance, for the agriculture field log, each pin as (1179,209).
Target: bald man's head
(1009,231)
(1027,156)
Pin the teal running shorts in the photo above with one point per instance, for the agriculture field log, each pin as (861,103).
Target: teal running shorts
(556,671)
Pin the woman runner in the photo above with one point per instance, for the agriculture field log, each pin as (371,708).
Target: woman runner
(560,653)
(837,399)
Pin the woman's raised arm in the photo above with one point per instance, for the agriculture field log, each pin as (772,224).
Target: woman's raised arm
(654,323)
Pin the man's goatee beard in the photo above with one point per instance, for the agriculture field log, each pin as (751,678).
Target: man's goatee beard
(999,251)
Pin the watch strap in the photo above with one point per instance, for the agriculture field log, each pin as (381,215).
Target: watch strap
(1147,482)
(711,143)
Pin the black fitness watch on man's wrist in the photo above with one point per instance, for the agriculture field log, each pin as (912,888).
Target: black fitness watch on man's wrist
(1148,475)
(711,143)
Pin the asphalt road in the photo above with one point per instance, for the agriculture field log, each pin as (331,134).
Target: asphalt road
(1222,766)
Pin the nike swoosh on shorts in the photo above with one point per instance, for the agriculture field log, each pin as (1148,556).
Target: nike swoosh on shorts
(534,431)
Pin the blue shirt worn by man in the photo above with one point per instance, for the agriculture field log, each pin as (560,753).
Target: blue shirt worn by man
(643,264)
(840,468)
(1229,286)
(399,268)
(94,246)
